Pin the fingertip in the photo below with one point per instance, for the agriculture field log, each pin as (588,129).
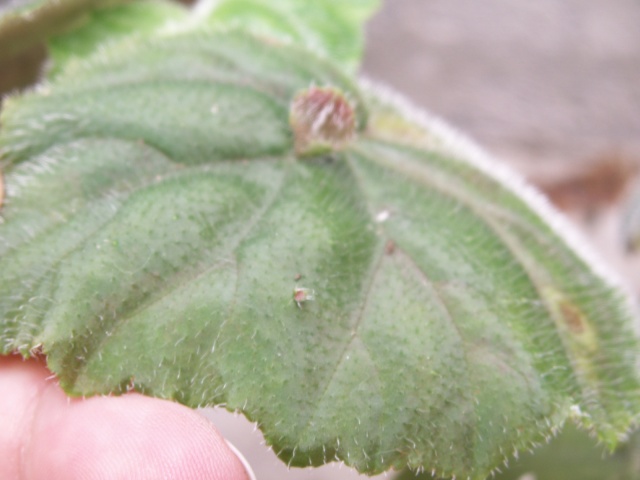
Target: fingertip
(48,435)
(130,437)
(21,385)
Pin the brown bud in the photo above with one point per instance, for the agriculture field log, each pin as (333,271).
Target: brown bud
(322,119)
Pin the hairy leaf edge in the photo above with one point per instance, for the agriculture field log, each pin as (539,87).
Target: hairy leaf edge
(466,150)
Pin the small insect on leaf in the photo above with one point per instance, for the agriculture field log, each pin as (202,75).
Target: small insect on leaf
(301,295)
(390,247)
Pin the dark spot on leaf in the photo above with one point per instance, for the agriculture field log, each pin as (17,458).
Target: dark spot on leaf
(572,317)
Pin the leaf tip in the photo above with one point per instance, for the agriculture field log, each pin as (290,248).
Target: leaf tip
(322,119)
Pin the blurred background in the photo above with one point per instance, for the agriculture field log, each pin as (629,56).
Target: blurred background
(547,80)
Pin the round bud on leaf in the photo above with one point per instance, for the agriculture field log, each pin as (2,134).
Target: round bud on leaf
(322,119)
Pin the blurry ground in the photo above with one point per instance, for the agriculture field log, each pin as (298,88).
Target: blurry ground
(552,87)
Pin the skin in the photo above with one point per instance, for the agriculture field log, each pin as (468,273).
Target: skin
(45,434)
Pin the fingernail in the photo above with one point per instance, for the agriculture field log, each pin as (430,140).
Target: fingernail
(245,463)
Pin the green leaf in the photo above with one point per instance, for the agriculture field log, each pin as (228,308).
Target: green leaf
(25,23)
(575,456)
(332,28)
(572,455)
(111,25)
(390,303)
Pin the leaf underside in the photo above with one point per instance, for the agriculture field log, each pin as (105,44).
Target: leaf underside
(156,223)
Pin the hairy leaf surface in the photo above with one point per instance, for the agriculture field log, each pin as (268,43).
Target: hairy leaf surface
(575,456)
(156,224)
(572,455)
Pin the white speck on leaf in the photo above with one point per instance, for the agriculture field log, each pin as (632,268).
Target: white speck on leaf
(383,215)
